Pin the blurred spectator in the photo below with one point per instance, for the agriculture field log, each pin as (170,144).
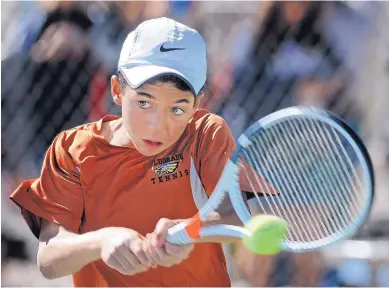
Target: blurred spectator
(56,85)
(290,61)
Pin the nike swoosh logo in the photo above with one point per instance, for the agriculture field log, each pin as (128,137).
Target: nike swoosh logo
(163,49)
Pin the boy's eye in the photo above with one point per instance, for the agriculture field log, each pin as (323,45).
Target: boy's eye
(144,104)
(177,111)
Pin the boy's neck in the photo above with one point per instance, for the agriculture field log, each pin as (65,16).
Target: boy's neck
(115,133)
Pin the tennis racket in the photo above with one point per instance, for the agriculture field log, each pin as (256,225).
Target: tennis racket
(302,164)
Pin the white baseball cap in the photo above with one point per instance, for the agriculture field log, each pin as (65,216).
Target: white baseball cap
(163,46)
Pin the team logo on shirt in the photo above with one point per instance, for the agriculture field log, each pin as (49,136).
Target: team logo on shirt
(166,168)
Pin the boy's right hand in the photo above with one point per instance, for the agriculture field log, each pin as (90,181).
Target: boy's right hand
(122,250)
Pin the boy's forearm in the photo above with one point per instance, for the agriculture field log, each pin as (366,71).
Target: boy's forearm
(68,253)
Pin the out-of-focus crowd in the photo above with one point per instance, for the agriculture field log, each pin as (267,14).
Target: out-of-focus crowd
(58,56)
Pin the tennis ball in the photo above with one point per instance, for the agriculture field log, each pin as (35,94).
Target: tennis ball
(267,234)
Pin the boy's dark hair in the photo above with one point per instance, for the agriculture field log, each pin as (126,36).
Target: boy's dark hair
(167,78)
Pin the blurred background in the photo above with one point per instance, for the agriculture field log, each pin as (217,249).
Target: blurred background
(57,58)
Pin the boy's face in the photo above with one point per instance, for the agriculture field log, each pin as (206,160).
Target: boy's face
(155,116)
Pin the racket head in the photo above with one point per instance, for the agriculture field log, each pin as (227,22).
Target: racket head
(314,125)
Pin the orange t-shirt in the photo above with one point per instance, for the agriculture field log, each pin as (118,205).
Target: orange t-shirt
(87,184)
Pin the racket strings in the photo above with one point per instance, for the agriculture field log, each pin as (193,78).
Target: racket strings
(342,171)
(324,172)
(308,163)
(339,176)
(357,178)
(286,213)
(279,154)
(296,171)
(306,211)
(349,175)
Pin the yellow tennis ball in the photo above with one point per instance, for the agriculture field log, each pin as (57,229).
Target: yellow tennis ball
(267,234)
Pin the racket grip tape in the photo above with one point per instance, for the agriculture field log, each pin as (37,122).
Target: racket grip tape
(178,235)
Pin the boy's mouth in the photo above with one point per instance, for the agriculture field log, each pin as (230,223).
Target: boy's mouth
(153,144)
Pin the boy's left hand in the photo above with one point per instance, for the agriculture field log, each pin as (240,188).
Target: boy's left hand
(163,253)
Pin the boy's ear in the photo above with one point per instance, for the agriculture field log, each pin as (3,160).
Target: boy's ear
(116,90)
(198,100)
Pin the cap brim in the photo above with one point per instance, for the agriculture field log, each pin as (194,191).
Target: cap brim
(137,76)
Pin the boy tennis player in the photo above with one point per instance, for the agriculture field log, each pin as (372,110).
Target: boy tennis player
(101,204)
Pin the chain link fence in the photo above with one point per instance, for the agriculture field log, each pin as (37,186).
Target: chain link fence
(58,57)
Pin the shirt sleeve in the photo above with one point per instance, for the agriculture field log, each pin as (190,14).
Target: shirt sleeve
(57,194)
(215,146)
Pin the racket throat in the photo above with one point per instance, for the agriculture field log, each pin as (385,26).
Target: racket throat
(193,227)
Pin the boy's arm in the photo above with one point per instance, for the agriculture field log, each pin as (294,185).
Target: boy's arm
(62,252)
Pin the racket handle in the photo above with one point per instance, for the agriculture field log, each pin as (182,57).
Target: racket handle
(177,235)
